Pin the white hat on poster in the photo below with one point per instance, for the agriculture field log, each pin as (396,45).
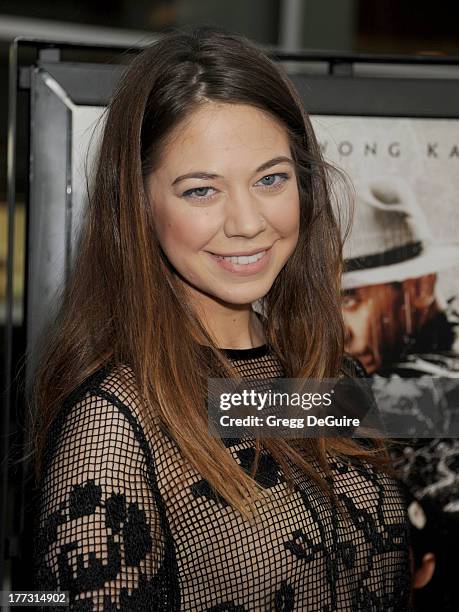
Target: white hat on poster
(390,239)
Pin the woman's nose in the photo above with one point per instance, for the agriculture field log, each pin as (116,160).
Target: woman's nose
(243,216)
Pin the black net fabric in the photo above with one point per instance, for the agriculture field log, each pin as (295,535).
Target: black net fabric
(122,528)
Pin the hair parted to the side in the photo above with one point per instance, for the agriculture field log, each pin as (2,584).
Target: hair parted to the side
(123,302)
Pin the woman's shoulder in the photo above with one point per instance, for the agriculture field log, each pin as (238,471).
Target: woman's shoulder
(102,425)
(113,382)
(106,402)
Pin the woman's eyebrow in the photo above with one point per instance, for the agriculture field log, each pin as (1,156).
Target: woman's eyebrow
(207,175)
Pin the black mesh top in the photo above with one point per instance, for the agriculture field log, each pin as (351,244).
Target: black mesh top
(119,530)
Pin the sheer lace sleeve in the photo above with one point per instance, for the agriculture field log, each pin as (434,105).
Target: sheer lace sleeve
(99,528)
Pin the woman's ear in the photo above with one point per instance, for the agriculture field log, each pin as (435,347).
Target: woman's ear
(424,573)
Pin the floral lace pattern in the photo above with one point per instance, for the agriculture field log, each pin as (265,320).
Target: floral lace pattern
(119,531)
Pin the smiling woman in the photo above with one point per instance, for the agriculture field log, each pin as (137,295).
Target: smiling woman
(229,230)
(210,195)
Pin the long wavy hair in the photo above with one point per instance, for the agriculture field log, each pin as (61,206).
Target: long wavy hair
(123,303)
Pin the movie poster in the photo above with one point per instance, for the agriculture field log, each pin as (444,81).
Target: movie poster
(401,281)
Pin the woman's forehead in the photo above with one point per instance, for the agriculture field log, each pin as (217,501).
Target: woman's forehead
(222,133)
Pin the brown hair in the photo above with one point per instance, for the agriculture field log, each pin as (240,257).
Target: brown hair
(123,304)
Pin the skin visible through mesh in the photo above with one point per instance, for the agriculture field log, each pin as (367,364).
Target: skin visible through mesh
(119,528)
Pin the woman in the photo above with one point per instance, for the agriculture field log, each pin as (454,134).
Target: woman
(210,194)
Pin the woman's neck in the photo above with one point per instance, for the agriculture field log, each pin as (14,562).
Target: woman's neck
(233,326)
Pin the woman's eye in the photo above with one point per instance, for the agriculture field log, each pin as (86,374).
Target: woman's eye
(274,180)
(198,193)
(270,181)
(348,302)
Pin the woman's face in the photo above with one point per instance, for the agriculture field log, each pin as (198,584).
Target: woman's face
(226,186)
(376,321)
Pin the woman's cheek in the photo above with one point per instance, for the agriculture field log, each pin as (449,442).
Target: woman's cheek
(285,215)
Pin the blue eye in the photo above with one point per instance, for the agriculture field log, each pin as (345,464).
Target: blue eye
(274,180)
(269,182)
(198,193)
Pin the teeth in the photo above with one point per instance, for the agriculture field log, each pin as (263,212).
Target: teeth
(244,259)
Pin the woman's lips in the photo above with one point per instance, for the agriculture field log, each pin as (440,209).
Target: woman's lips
(243,269)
